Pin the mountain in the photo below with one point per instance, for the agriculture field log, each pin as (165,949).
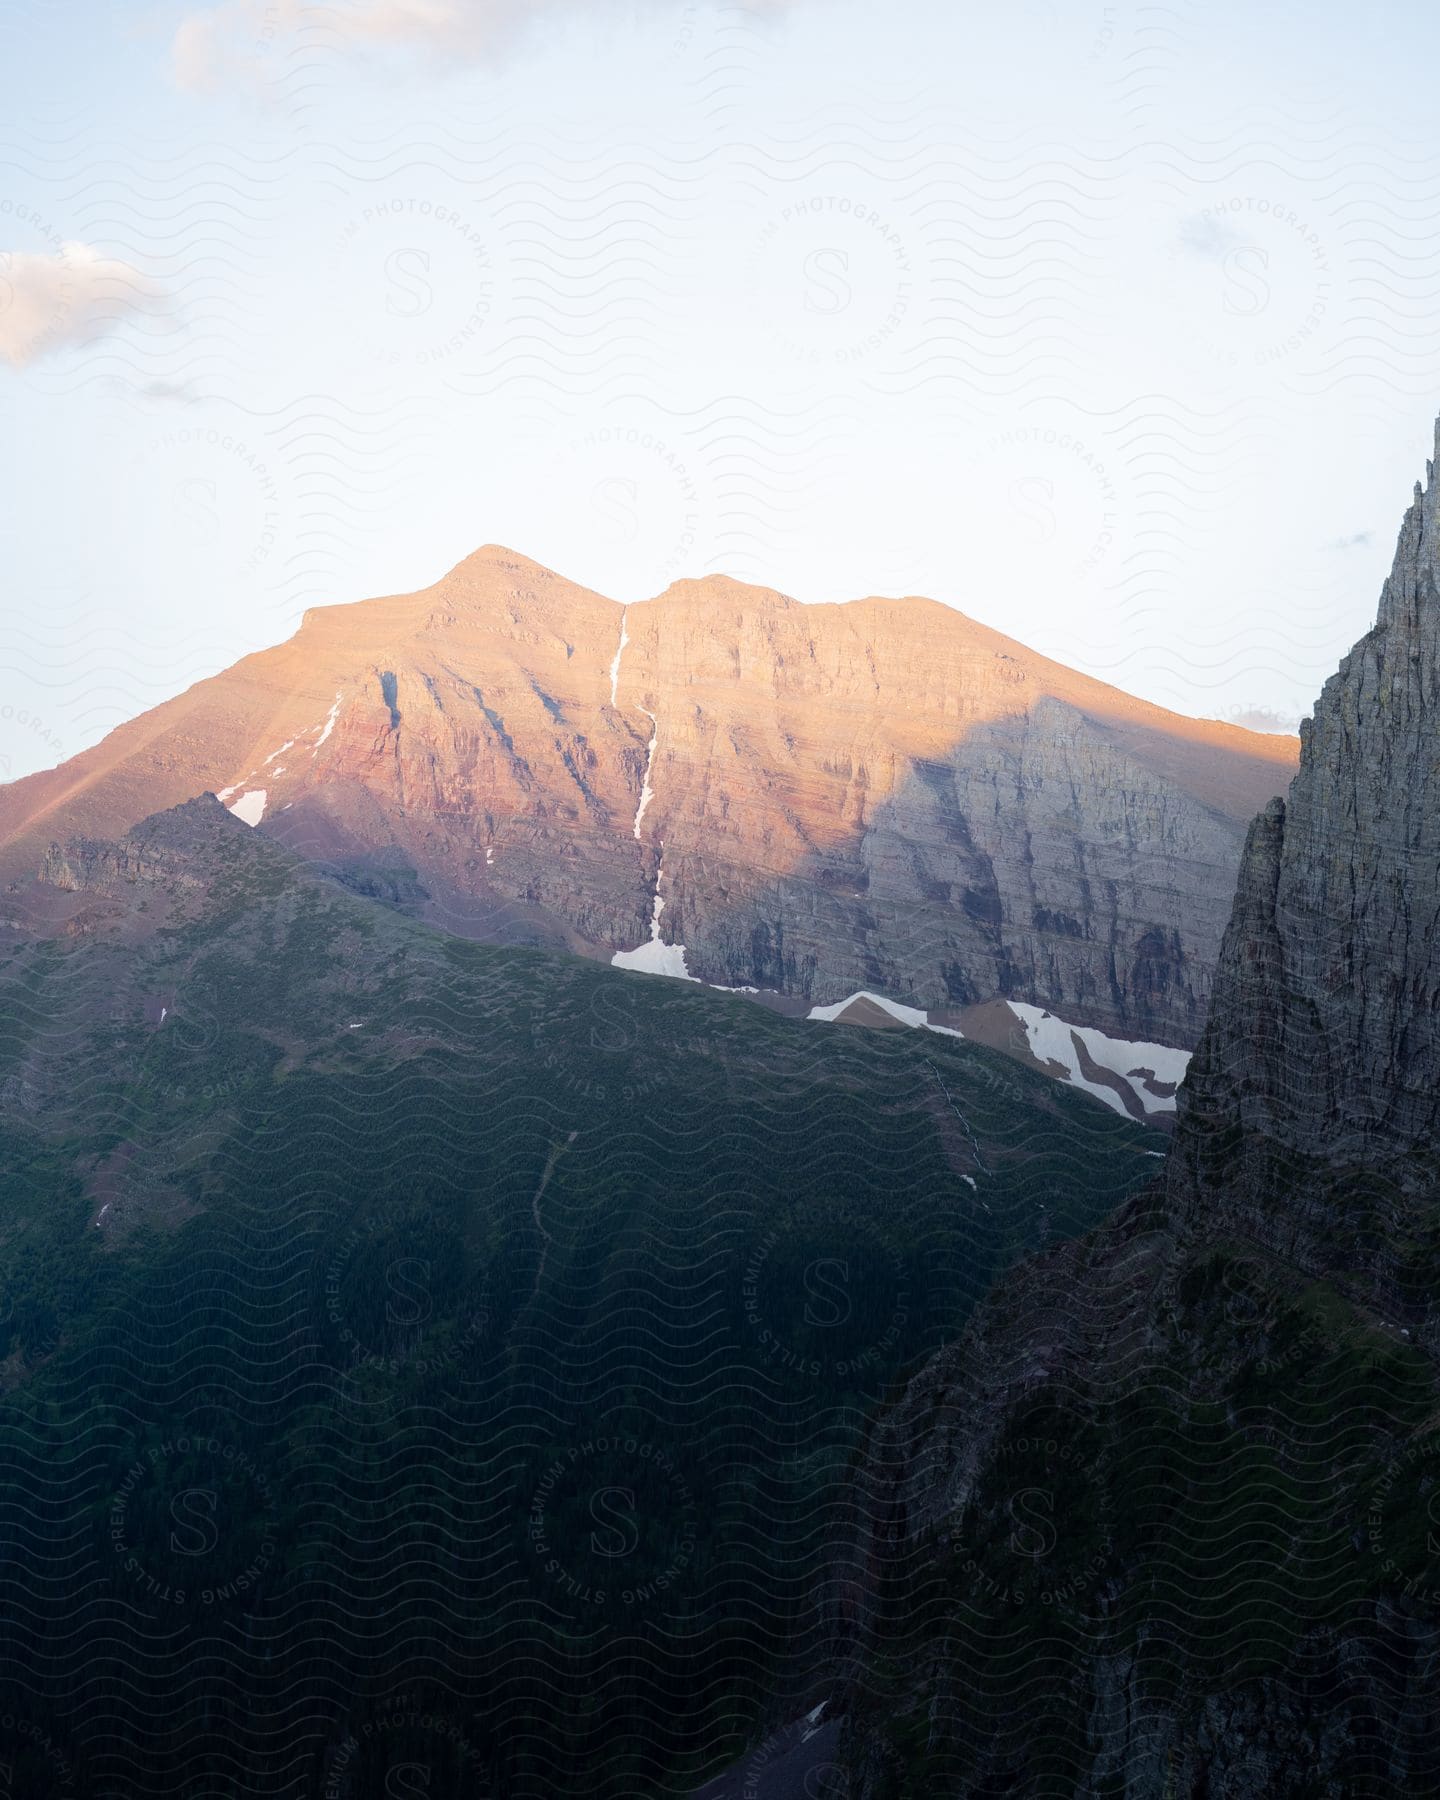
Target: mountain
(811,801)
(1164,1520)
(434,1366)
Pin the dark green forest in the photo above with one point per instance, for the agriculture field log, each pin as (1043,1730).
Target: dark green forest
(435,1368)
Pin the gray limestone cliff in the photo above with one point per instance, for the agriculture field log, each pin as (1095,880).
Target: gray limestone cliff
(1321,1057)
(1166,1520)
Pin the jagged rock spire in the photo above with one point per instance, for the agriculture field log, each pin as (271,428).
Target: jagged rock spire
(1322,1048)
(1409,593)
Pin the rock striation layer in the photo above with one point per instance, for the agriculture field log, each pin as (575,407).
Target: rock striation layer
(881,795)
(1162,1521)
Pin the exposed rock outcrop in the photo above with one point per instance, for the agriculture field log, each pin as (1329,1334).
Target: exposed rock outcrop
(168,849)
(880,795)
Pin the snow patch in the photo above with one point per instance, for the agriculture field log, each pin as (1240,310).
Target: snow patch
(655,957)
(905,1015)
(489,855)
(250,808)
(225,793)
(1053,1040)
(812,1725)
(280,752)
(163,1011)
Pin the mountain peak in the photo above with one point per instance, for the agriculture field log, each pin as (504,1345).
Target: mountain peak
(725,590)
(1409,597)
(529,751)
(503,557)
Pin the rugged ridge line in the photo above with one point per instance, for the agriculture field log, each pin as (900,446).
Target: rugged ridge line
(882,795)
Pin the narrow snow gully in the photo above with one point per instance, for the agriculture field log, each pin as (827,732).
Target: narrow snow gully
(619,652)
(654,956)
(647,793)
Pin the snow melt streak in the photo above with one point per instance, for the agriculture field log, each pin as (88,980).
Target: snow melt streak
(330,719)
(615,665)
(647,793)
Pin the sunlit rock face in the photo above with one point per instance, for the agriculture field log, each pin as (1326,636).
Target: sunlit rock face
(879,796)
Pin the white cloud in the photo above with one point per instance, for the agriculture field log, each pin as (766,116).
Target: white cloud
(228,44)
(48,303)
(1208,236)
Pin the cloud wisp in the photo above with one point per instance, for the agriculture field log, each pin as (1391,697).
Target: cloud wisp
(74,297)
(228,45)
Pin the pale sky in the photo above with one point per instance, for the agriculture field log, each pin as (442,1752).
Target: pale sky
(1113,326)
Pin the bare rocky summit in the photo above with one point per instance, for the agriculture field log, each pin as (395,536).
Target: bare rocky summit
(881,795)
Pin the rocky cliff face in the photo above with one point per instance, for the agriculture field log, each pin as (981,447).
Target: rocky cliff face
(882,795)
(1324,1050)
(180,848)
(1163,1522)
